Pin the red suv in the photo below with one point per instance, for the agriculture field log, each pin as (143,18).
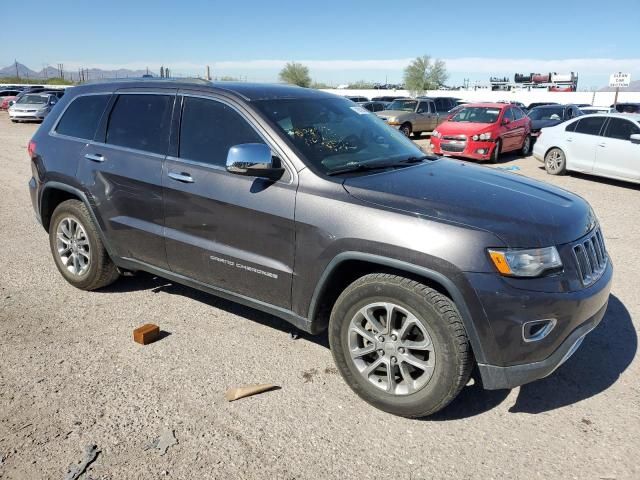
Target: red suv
(483,131)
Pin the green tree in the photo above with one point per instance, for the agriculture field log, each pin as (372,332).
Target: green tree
(295,74)
(422,74)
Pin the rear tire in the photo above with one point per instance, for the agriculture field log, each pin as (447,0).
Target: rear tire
(412,366)
(77,248)
(555,162)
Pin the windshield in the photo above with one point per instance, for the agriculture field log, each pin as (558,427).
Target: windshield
(403,105)
(477,115)
(546,113)
(334,134)
(32,99)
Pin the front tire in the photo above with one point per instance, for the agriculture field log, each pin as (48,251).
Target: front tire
(526,146)
(406,129)
(555,162)
(495,154)
(77,248)
(400,345)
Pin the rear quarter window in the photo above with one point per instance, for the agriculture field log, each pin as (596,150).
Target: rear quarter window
(81,118)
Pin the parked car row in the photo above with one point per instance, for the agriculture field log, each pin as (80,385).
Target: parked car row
(31,103)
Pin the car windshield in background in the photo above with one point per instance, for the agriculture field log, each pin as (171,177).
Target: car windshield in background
(32,99)
(403,105)
(477,115)
(334,134)
(546,113)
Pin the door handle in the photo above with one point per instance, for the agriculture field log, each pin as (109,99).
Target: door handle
(602,144)
(181,177)
(95,157)
(569,139)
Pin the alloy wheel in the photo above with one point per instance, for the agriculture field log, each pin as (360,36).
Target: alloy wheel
(391,348)
(554,161)
(72,245)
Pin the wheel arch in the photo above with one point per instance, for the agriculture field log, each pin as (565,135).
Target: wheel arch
(54,193)
(346,267)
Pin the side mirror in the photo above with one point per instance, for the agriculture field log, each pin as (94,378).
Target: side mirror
(253,160)
(506,121)
(635,138)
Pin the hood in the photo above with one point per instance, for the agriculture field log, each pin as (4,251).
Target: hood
(20,107)
(392,113)
(463,128)
(524,213)
(543,123)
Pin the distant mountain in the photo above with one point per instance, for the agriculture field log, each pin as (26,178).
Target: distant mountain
(51,72)
(634,86)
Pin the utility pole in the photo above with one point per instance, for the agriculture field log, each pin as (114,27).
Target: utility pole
(17,72)
(208,73)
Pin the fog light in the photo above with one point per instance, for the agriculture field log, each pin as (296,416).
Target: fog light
(481,151)
(537,329)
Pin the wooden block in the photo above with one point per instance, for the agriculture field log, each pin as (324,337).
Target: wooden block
(146,334)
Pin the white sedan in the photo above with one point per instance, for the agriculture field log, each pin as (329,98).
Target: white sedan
(606,145)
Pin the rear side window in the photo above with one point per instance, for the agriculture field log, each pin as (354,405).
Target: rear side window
(621,129)
(141,121)
(517,113)
(81,118)
(571,127)
(209,129)
(590,125)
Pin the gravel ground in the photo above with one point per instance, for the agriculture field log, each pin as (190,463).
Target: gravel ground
(71,376)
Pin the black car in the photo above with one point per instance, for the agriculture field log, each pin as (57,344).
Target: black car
(374,106)
(627,107)
(540,104)
(550,115)
(357,98)
(298,203)
(387,98)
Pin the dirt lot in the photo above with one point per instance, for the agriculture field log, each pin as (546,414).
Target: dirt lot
(70,376)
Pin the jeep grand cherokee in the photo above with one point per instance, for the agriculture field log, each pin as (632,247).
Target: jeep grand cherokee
(307,206)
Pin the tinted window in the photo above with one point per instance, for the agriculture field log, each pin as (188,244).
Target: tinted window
(442,105)
(141,122)
(571,127)
(209,129)
(508,114)
(621,129)
(590,125)
(82,117)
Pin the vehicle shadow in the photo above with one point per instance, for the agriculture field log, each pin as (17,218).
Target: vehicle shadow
(604,355)
(604,180)
(144,281)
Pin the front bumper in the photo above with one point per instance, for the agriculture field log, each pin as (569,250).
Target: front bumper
(17,115)
(476,150)
(513,361)
(496,378)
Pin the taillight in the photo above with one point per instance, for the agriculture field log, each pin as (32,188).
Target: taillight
(31,148)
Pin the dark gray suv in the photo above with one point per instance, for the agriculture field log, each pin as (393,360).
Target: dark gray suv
(304,205)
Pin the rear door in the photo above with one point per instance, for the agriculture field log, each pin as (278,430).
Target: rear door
(122,172)
(233,232)
(616,155)
(581,143)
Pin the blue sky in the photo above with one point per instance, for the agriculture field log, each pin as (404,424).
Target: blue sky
(340,41)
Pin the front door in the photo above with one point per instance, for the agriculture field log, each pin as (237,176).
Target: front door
(232,232)
(122,172)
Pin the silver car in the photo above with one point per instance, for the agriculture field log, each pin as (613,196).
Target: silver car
(32,106)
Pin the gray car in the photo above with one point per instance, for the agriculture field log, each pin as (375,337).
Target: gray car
(308,207)
(32,106)
(416,116)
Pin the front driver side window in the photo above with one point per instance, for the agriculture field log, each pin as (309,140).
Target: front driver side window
(208,130)
(423,107)
(621,129)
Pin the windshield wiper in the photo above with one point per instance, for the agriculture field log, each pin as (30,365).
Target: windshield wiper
(367,167)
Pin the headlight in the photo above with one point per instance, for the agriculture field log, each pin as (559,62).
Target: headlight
(482,136)
(525,263)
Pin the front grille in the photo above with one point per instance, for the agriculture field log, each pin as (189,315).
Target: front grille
(455,137)
(453,147)
(591,257)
